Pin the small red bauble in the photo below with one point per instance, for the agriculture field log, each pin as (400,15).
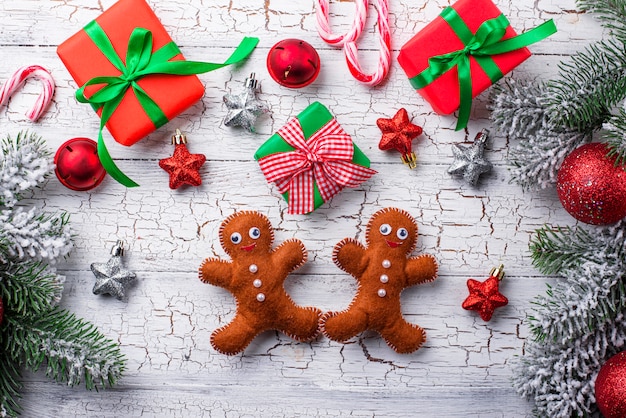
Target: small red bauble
(591,187)
(77,164)
(293,63)
(611,387)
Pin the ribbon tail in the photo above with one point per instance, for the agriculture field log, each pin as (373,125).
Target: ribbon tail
(103,152)
(522,40)
(465,94)
(110,166)
(245,48)
(301,194)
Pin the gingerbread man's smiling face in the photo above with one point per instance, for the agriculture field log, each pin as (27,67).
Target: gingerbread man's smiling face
(392,228)
(246,233)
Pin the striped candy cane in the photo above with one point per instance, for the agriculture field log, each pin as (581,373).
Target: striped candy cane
(348,40)
(323,25)
(19,77)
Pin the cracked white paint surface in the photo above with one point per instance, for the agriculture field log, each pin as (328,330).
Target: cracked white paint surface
(462,370)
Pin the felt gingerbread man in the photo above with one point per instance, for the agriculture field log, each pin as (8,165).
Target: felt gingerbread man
(255,277)
(383,271)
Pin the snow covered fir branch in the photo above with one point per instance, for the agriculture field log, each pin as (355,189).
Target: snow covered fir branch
(547,120)
(580,321)
(34,332)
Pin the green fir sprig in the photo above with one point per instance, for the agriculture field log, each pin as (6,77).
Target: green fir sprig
(580,321)
(72,350)
(35,333)
(590,85)
(522,112)
(615,136)
(612,14)
(548,120)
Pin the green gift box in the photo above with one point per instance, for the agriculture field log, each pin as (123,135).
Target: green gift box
(311,159)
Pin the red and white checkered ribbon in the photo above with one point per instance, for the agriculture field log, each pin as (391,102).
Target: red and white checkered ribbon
(325,159)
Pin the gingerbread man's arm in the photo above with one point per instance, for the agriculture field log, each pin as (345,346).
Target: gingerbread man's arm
(420,269)
(216,272)
(350,256)
(289,255)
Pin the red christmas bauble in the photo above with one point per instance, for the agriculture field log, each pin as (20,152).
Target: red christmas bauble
(77,164)
(591,187)
(611,387)
(293,63)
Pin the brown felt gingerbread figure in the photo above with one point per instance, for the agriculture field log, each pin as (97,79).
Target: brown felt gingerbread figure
(383,271)
(255,277)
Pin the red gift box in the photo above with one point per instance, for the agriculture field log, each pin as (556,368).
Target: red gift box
(443,36)
(84,60)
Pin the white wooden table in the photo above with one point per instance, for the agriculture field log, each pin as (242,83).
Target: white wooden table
(462,370)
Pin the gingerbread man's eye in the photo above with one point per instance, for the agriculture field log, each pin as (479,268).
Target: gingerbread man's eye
(402,233)
(385,229)
(235,238)
(254,232)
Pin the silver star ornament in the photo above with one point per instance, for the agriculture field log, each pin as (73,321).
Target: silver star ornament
(244,108)
(111,277)
(469,161)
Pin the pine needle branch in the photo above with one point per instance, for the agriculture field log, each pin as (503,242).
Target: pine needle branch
(555,250)
(32,234)
(29,288)
(72,349)
(521,110)
(10,387)
(590,85)
(593,290)
(560,377)
(24,164)
(611,13)
(615,136)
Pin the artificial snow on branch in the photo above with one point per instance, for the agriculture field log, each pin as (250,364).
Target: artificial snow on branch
(34,331)
(581,321)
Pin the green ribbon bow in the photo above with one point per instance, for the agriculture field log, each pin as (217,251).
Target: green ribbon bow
(487,41)
(140,62)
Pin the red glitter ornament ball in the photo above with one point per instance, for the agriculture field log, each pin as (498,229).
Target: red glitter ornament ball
(611,387)
(591,187)
(77,164)
(293,63)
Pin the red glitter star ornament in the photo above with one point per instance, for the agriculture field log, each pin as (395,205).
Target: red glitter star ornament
(485,296)
(398,134)
(183,167)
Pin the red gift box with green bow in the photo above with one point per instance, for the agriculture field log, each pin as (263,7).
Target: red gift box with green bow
(133,75)
(466,49)
(311,159)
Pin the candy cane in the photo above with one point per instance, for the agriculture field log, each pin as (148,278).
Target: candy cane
(348,40)
(323,25)
(19,77)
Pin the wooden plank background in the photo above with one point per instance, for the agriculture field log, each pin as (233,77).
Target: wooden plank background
(164,328)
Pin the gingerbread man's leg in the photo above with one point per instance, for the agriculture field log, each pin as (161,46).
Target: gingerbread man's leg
(341,326)
(234,337)
(402,336)
(300,323)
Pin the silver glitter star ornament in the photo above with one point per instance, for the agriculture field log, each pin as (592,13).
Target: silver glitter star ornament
(244,108)
(111,277)
(469,161)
